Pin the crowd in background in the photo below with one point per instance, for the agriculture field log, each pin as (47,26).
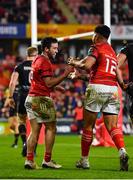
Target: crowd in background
(84,11)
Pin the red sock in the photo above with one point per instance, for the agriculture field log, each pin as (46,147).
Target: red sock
(117,137)
(86,141)
(30,156)
(47,156)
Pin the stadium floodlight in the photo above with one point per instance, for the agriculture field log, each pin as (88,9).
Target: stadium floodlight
(34,41)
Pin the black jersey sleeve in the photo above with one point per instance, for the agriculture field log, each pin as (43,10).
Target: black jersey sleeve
(124,50)
(18,68)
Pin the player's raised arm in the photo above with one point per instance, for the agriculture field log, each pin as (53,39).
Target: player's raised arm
(85,63)
(76,62)
(53,81)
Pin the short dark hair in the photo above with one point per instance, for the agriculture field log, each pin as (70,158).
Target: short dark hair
(103,30)
(46,42)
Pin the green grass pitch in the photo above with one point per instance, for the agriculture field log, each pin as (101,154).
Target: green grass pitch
(104,162)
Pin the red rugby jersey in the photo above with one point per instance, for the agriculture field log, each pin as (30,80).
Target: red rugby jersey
(41,67)
(104,70)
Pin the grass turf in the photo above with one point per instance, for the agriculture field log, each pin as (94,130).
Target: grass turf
(104,162)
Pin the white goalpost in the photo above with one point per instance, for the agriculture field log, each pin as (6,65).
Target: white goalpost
(33,22)
(34,40)
(107,15)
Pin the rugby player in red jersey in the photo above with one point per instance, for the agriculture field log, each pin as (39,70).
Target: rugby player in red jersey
(39,104)
(101,95)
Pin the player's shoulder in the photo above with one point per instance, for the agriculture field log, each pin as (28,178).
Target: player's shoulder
(41,61)
(93,46)
(92,49)
(102,45)
(19,66)
(99,47)
(27,62)
(22,64)
(41,58)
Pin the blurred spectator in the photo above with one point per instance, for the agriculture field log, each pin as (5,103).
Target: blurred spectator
(78,116)
(122,12)
(1,53)
(85,11)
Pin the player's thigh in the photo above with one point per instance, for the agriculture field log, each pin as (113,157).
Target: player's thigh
(35,128)
(94,98)
(11,122)
(21,104)
(50,126)
(89,118)
(22,118)
(110,120)
(40,108)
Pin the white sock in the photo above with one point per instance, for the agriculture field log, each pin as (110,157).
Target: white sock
(122,151)
(84,157)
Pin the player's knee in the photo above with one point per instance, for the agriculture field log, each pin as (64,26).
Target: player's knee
(22,128)
(88,126)
(33,138)
(12,127)
(110,126)
(51,128)
(22,118)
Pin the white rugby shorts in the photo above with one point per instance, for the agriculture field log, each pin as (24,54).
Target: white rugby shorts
(102,98)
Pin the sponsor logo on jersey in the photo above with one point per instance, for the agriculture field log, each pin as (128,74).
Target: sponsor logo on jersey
(27,68)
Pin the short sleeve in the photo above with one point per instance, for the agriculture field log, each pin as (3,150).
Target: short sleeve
(93,52)
(17,68)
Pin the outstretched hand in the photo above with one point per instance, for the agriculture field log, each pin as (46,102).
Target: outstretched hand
(72,60)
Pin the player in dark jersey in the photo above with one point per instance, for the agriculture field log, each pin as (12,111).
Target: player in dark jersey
(39,104)
(101,95)
(126,54)
(21,76)
(12,115)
